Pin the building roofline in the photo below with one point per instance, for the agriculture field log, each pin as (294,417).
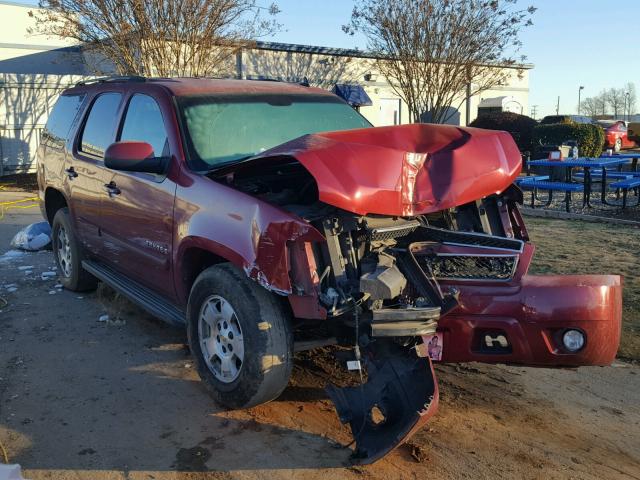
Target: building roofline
(344,52)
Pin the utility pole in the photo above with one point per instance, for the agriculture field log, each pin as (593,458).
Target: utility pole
(579,92)
(534,111)
(558,106)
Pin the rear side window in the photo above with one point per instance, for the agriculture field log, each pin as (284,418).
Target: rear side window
(62,116)
(99,129)
(144,123)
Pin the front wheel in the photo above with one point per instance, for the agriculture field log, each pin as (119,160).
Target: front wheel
(240,336)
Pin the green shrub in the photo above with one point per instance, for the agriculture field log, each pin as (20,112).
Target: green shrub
(590,137)
(519,126)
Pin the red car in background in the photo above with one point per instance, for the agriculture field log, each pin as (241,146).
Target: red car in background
(615,135)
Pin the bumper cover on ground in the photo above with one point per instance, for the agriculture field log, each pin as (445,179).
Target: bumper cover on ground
(532,316)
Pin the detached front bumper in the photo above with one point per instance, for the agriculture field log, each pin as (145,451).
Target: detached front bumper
(520,322)
(524,323)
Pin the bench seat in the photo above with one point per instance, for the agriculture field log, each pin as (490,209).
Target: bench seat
(625,185)
(609,175)
(531,178)
(545,185)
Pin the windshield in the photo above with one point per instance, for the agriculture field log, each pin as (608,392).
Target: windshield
(223,129)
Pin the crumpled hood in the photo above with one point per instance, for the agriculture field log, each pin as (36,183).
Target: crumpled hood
(405,170)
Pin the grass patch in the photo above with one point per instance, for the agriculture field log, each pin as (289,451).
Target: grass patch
(574,247)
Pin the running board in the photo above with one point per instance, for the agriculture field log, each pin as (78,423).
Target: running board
(138,294)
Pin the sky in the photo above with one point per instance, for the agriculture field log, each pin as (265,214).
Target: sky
(593,43)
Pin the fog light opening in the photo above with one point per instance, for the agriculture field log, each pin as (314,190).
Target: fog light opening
(573,340)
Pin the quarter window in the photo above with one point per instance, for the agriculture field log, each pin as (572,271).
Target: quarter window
(99,129)
(143,123)
(61,118)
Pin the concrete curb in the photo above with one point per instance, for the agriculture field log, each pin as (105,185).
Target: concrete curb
(576,216)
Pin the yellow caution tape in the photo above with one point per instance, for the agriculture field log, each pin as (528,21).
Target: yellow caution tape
(32,202)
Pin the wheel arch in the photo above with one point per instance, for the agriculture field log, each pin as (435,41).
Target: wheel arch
(195,255)
(54,200)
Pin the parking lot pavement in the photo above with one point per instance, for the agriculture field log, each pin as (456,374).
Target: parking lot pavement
(82,398)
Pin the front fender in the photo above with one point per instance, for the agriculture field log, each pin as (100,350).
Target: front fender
(238,228)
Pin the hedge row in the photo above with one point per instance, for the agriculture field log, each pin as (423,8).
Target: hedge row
(519,126)
(590,138)
(529,135)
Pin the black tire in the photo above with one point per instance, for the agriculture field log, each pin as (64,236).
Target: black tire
(266,334)
(73,277)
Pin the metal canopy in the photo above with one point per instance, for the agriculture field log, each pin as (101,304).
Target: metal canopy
(354,95)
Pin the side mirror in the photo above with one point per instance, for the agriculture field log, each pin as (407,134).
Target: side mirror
(134,157)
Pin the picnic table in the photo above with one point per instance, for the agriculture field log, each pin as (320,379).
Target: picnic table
(586,164)
(630,156)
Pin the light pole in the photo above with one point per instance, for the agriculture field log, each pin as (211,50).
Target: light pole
(579,94)
(626,106)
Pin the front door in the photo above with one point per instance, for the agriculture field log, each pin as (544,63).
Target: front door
(137,211)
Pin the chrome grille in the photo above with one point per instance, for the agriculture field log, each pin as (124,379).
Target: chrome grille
(447,266)
(393,231)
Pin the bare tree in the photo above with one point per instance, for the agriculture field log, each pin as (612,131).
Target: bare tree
(434,53)
(598,105)
(591,107)
(616,99)
(159,37)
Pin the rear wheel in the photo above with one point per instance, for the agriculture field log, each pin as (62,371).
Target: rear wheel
(240,336)
(68,254)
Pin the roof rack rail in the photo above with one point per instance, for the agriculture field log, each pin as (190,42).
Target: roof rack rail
(113,79)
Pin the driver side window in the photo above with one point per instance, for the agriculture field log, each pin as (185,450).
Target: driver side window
(143,123)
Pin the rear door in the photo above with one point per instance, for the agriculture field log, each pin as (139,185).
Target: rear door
(54,142)
(137,215)
(85,169)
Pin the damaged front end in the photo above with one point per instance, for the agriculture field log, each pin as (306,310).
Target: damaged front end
(424,257)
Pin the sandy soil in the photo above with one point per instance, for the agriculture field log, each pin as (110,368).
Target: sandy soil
(84,399)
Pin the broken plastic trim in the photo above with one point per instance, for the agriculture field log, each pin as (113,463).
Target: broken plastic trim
(401,388)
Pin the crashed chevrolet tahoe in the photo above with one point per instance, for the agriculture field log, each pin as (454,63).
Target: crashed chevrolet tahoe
(270,218)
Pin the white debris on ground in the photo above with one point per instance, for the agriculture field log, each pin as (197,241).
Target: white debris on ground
(47,275)
(10,472)
(32,238)
(103,318)
(11,255)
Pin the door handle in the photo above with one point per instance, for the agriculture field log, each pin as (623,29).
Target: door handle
(112,189)
(71,173)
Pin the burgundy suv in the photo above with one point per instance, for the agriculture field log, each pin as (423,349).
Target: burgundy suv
(270,218)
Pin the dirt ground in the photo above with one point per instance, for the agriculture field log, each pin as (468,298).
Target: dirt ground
(85,399)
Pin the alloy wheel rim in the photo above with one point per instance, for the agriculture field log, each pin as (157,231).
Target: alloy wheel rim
(221,340)
(64,252)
